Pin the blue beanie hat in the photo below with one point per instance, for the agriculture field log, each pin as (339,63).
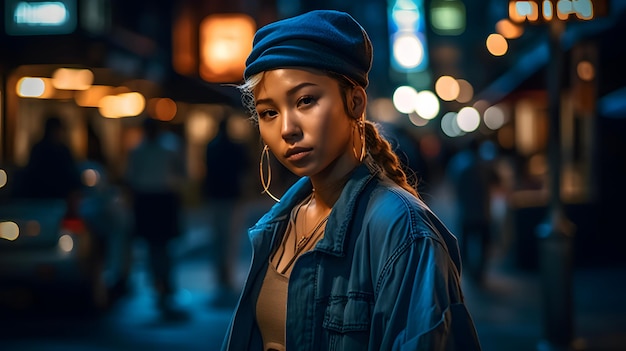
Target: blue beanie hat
(323,39)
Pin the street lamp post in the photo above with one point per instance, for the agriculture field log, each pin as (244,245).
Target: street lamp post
(556,232)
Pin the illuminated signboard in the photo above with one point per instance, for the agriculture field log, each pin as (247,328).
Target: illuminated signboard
(40,17)
(539,11)
(408,47)
(447,17)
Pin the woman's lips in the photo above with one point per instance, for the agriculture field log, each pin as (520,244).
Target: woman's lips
(297,154)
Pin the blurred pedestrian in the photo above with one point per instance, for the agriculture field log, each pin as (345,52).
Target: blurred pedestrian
(52,171)
(350,258)
(155,175)
(472,177)
(226,164)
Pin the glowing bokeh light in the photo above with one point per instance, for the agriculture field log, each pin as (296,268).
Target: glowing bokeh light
(585,70)
(201,127)
(481,105)
(583,9)
(521,10)
(547,10)
(3,178)
(122,105)
(497,45)
(30,87)
(47,13)
(239,129)
(416,120)
(494,117)
(427,104)
(448,17)
(90,177)
(72,79)
(508,29)
(225,41)
(134,103)
(466,91)
(66,243)
(449,126)
(382,110)
(404,99)
(447,88)
(162,109)
(468,119)
(407,16)
(9,230)
(408,50)
(92,96)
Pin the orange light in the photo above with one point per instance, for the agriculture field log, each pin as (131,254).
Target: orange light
(519,11)
(91,97)
(497,45)
(225,42)
(542,11)
(508,29)
(72,79)
(163,109)
(447,88)
(122,105)
(585,71)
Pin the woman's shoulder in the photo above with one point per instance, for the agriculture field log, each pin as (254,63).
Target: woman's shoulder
(394,214)
(390,206)
(389,197)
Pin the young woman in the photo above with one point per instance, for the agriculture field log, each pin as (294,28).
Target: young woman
(349,258)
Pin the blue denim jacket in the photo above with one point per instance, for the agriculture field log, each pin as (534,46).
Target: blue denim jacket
(385,276)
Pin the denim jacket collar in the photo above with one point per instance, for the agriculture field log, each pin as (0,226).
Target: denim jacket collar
(341,213)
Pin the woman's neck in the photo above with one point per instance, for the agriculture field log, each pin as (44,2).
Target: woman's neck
(327,190)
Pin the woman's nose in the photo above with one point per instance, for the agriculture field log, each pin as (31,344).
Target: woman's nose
(290,128)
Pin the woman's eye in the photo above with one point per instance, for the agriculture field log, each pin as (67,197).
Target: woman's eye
(267,114)
(306,100)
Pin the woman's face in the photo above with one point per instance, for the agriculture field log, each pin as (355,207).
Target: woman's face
(303,121)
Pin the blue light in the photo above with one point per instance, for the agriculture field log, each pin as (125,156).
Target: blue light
(41,14)
(408,46)
(40,17)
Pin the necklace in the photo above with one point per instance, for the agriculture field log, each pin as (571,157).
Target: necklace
(304,239)
(301,243)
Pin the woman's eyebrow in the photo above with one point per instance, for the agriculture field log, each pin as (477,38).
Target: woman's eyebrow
(294,89)
(290,92)
(263,101)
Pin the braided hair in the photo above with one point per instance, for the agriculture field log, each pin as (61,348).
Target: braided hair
(378,147)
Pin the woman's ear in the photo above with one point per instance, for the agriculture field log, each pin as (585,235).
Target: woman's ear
(358,101)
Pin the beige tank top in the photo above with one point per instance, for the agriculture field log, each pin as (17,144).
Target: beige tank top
(271,307)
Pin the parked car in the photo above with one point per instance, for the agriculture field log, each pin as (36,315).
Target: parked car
(46,253)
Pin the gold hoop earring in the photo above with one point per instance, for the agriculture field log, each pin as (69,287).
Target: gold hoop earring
(266,184)
(361,128)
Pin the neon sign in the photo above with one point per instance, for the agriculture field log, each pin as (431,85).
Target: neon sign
(548,10)
(40,17)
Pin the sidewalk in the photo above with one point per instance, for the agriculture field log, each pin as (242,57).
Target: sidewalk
(508,308)
(509,316)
